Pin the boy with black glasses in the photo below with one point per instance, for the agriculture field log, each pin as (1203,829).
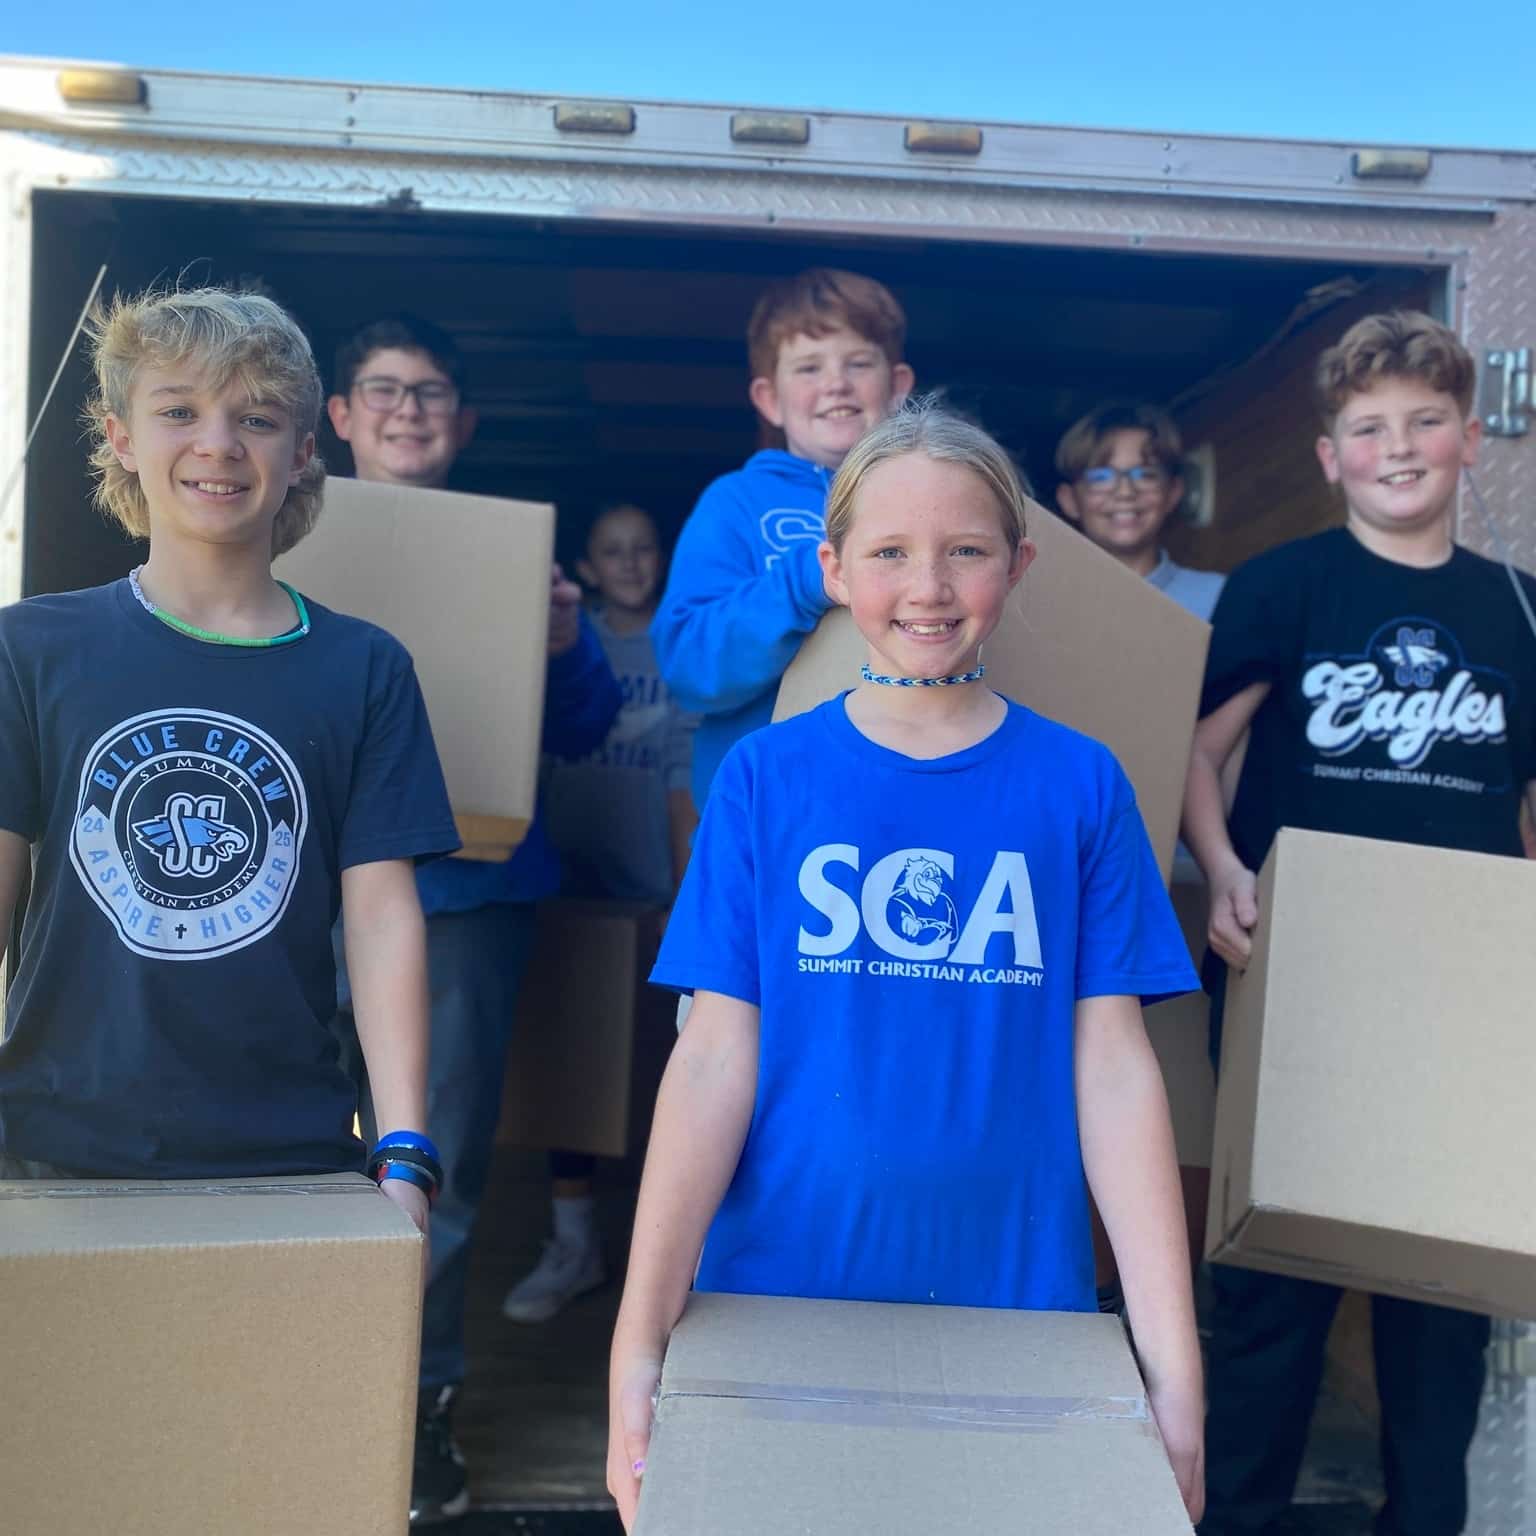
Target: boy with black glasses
(1121,480)
(399,402)
(399,405)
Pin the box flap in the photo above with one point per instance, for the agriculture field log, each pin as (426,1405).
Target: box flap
(43,1218)
(1084,641)
(1044,1364)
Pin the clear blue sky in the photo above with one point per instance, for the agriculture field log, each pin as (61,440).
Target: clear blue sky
(1432,72)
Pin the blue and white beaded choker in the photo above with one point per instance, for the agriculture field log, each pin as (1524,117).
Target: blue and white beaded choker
(870,676)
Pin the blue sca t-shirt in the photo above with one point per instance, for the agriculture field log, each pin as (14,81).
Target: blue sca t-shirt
(191,807)
(916,935)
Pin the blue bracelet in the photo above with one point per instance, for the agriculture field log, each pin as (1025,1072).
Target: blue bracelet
(407,1157)
(411,1176)
(405,1139)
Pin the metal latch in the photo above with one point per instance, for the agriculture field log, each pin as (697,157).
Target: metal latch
(1507,392)
(1513,1357)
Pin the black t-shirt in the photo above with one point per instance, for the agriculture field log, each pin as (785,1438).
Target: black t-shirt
(1402,701)
(191,807)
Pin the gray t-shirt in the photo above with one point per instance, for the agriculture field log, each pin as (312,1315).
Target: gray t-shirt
(607,813)
(1195,590)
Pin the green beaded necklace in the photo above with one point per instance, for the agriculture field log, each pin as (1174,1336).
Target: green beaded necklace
(259,643)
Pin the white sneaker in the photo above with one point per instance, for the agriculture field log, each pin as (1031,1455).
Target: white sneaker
(565,1271)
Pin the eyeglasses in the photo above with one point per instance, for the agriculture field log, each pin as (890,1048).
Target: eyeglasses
(381,393)
(1140,477)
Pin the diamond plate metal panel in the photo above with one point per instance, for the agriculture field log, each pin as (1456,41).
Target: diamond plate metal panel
(1499,309)
(1504,1449)
(947,205)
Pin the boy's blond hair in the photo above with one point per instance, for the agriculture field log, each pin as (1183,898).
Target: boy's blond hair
(1399,344)
(241,336)
(925,425)
(816,302)
(1084,444)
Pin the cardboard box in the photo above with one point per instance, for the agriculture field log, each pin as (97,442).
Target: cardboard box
(187,1358)
(1085,642)
(1180,1034)
(829,1417)
(463,583)
(592,1037)
(1373,1121)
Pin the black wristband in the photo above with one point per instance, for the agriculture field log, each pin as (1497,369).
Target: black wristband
(407,1157)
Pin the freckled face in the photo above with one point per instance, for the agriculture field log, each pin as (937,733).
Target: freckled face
(926,566)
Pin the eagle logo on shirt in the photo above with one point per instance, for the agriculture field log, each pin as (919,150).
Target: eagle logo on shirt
(191,837)
(922,910)
(1414,658)
(189,832)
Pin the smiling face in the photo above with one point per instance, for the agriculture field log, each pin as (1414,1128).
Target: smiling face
(213,464)
(1397,450)
(1122,515)
(411,439)
(623,561)
(925,567)
(827,391)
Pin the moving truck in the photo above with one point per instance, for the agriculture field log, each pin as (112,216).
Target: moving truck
(597,261)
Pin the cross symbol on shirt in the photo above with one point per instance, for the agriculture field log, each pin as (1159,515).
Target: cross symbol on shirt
(181,930)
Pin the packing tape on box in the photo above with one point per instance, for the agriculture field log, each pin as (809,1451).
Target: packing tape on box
(938,1410)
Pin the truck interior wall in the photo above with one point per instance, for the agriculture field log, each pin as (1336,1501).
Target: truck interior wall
(67,545)
(1259,423)
(608,362)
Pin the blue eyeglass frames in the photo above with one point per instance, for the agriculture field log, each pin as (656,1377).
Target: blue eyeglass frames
(1140,477)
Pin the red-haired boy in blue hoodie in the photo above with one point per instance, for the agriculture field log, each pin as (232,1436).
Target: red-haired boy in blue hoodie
(825,349)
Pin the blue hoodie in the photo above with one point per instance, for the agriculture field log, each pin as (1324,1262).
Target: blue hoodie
(581,701)
(744,592)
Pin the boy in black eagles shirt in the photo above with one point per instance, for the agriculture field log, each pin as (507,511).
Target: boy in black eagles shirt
(202,766)
(1389,680)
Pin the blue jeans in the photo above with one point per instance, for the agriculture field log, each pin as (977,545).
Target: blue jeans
(475,964)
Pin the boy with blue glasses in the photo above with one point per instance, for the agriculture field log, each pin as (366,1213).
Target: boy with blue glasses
(1121,480)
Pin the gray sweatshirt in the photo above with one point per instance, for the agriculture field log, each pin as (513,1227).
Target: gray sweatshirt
(607,813)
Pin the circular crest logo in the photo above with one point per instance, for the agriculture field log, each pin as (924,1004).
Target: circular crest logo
(188,832)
